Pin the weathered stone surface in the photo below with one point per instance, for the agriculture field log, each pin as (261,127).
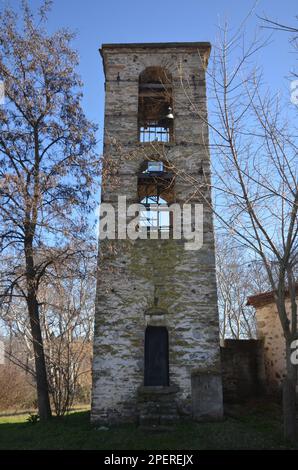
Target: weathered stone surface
(157,406)
(243,374)
(270,331)
(154,282)
(207,396)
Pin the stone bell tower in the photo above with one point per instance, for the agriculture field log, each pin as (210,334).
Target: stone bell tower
(156,343)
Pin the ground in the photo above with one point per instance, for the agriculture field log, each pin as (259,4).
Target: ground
(259,428)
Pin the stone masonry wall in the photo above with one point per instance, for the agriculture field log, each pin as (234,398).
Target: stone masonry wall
(270,330)
(243,375)
(154,282)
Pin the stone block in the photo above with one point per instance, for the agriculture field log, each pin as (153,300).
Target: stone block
(207,402)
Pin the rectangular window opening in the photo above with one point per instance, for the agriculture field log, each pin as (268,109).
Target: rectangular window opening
(155,167)
(154,133)
(156,218)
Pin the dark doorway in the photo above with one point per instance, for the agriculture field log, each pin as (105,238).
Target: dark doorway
(156,356)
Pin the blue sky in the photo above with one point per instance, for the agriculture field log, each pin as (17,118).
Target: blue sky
(100,21)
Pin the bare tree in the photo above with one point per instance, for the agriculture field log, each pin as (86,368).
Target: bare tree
(67,316)
(66,308)
(48,167)
(237,278)
(275,25)
(254,177)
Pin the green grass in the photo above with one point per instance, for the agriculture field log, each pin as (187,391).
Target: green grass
(259,429)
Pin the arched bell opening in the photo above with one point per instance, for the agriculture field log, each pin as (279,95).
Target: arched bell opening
(155,106)
(156,194)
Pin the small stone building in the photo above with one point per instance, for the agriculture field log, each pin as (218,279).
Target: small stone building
(269,330)
(156,342)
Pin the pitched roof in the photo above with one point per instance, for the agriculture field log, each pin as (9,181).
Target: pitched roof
(264,298)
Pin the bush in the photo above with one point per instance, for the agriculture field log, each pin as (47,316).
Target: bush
(32,418)
(16,388)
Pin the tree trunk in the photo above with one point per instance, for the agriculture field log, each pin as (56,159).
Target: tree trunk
(289,398)
(43,400)
(44,408)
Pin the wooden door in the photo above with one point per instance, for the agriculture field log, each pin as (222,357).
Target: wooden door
(156,356)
